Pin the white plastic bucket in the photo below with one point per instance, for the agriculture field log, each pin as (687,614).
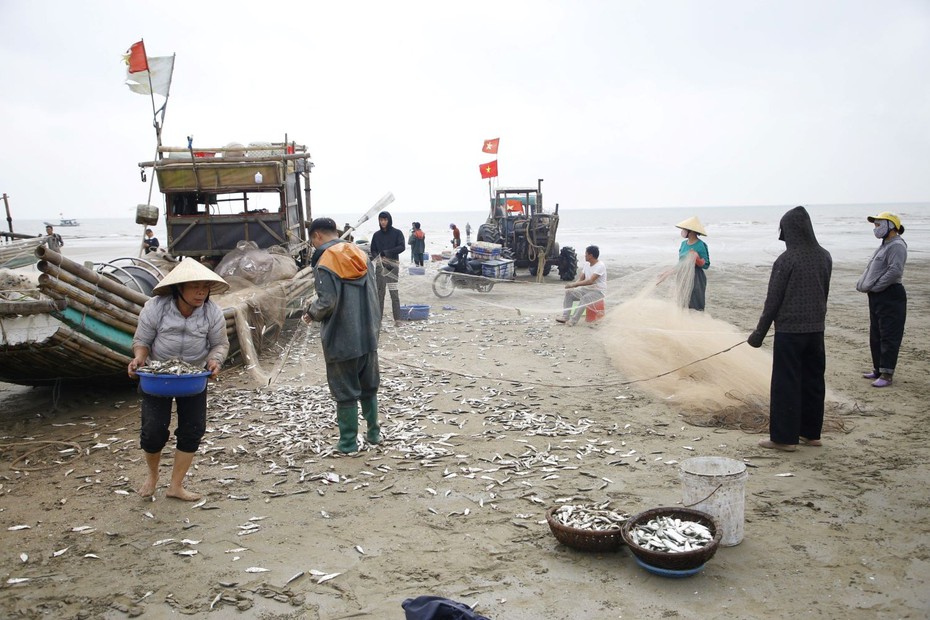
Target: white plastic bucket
(717,486)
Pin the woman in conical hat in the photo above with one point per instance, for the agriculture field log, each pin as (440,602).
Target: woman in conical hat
(180,322)
(695,250)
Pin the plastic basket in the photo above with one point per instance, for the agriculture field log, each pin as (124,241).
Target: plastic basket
(584,540)
(416,271)
(498,269)
(673,561)
(415,312)
(171,386)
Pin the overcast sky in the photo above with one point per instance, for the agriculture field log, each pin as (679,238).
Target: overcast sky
(613,103)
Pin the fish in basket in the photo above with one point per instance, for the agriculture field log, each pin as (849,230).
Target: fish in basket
(587,528)
(672,539)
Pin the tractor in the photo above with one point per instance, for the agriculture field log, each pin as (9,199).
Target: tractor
(520,224)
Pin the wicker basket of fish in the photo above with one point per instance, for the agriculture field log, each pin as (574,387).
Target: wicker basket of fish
(587,528)
(672,538)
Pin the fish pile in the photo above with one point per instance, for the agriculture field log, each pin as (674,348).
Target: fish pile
(170,367)
(597,517)
(671,535)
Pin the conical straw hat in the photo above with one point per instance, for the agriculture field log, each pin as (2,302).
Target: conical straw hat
(692,223)
(189,270)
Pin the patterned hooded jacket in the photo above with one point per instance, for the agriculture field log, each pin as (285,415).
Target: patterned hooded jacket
(800,282)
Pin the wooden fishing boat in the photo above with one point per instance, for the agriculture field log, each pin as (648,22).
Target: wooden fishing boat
(78,325)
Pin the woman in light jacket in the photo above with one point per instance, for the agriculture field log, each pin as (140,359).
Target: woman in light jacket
(180,322)
(887,297)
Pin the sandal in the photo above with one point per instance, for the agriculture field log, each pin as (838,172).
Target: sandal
(881,382)
(871,375)
(811,442)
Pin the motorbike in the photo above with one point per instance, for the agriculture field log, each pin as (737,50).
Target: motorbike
(462,273)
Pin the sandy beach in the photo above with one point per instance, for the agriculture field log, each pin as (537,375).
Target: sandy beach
(492,413)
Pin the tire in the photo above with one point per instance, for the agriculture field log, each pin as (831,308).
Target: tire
(443,285)
(568,264)
(547,269)
(534,269)
(489,233)
(484,286)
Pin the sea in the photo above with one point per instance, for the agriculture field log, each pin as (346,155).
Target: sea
(737,235)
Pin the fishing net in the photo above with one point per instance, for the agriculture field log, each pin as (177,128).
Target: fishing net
(696,363)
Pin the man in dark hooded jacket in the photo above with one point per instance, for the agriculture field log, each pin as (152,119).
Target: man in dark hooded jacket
(797,303)
(387,244)
(348,308)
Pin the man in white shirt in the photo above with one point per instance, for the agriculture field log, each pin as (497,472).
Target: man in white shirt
(588,289)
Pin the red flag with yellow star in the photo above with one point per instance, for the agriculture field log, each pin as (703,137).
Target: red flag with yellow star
(490,146)
(489,169)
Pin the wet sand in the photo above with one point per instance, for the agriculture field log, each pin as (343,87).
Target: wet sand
(844,536)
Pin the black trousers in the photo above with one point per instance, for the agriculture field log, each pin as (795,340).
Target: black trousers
(354,380)
(887,313)
(796,401)
(156,419)
(386,276)
(697,291)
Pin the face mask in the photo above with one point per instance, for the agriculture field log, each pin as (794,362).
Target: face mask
(684,233)
(881,231)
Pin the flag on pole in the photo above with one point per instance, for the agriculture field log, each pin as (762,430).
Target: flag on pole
(490,146)
(136,58)
(160,68)
(489,169)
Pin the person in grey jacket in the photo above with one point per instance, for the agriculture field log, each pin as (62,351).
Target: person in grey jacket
(346,304)
(796,303)
(881,280)
(180,322)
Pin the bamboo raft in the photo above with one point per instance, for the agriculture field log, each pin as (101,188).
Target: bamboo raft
(82,327)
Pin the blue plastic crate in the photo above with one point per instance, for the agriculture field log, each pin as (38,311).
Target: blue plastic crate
(415,312)
(499,269)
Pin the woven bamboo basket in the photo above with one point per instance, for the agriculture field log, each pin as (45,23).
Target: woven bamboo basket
(673,561)
(584,540)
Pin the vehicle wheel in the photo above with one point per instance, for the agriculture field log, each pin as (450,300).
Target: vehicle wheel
(489,233)
(485,285)
(534,268)
(547,269)
(443,284)
(568,264)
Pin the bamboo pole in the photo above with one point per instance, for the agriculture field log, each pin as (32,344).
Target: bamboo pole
(91,276)
(97,306)
(43,306)
(56,272)
(112,321)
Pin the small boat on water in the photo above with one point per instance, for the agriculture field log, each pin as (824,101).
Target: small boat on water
(250,201)
(64,222)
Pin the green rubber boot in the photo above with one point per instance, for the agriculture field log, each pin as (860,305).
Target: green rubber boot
(347,418)
(370,413)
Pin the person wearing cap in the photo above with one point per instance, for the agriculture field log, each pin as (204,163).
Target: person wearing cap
(347,306)
(695,251)
(387,244)
(179,322)
(456,236)
(881,280)
(796,302)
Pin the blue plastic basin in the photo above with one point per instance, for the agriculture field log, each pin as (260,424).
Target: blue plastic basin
(170,386)
(416,312)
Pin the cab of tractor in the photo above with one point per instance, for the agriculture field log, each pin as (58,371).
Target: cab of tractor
(519,222)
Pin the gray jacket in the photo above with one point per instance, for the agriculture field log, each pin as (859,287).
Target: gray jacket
(800,282)
(168,335)
(886,267)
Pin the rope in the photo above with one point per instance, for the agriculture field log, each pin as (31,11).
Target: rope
(549,384)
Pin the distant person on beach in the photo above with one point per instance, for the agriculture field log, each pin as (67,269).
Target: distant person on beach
(150,243)
(590,287)
(179,322)
(467,233)
(417,243)
(387,244)
(695,250)
(887,297)
(347,306)
(797,303)
(350,238)
(52,239)
(456,236)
